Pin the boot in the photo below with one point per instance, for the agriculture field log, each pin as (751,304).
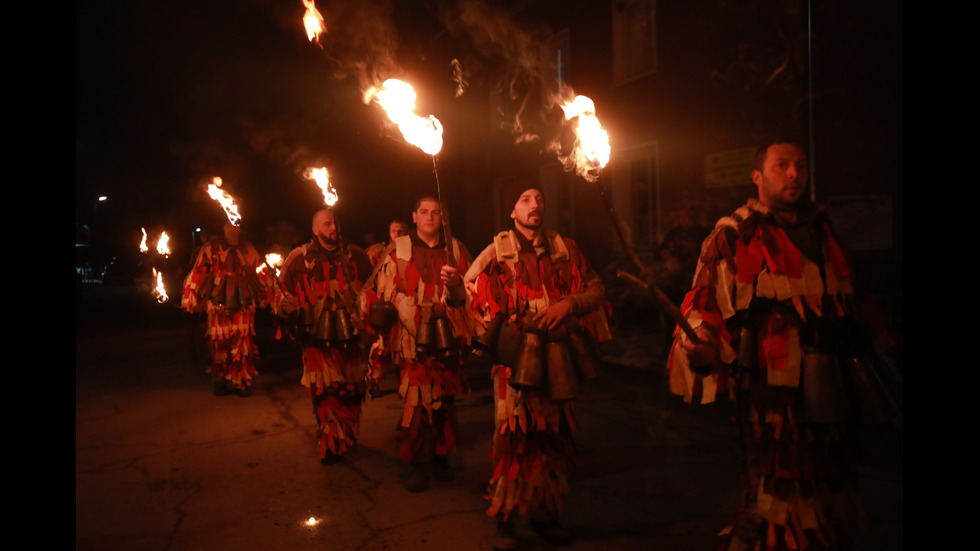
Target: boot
(418,478)
(441,470)
(505,537)
(548,527)
(220,388)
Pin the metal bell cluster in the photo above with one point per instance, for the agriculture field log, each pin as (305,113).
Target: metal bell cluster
(231,291)
(328,325)
(556,361)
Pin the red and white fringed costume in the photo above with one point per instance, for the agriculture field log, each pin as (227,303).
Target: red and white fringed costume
(224,283)
(533,447)
(326,281)
(776,293)
(409,278)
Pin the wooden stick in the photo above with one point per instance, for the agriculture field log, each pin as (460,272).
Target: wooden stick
(647,282)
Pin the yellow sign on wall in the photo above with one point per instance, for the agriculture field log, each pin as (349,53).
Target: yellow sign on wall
(729,168)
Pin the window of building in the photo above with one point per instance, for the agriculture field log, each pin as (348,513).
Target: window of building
(634,39)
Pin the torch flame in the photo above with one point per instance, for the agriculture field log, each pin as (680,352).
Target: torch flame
(313,22)
(163,244)
(227,201)
(398,100)
(273,260)
(591,150)
(143,247)
(159,291)
(322,179)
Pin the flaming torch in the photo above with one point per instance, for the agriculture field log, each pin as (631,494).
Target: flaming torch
(591,150)
(159,292)
(313,22)
(226,201)
(273,261)
(397,98)
(589,155)
(322,178)
(143,247)
(163,247)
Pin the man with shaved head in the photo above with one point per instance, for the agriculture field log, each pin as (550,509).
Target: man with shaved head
(320,280)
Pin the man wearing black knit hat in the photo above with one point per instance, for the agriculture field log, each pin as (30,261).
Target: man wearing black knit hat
(543,306)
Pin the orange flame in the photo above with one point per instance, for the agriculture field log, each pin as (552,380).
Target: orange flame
(163,244)
(159,292)
(143,247)
(322,179)
(591,150)
(398,100)
(313,22)
(272,260)
(227,201)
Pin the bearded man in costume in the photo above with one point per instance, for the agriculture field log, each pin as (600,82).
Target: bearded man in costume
(772,304)
(418,279)
(535,289)
(224,284)
(320,281)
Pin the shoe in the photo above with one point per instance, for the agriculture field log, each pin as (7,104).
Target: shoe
(244,392)
(418,478)
(441,470)
(552,532)
(505,537)
(220,388)
(330,458)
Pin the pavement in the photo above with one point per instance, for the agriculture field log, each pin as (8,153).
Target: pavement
(162,464)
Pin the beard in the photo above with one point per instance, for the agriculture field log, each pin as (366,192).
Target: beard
(527,223)
(329,241)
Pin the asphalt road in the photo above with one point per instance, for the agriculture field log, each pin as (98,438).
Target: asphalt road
(163,464)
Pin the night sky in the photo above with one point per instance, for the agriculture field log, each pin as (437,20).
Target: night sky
(171,93)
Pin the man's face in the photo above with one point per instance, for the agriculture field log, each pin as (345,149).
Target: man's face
(428,218)
(529,210)
(325,227)
(784,176)
(397,229)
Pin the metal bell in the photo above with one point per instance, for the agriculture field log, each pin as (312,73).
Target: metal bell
(822,389)
(584,355)
(508,344)
(343,328)
(307,316)
(207,286)
(563,382)
(425,335)
(218,290)
(529,367)
(325,328)
(233,294)
(382,315)
(444,337)
(487,342)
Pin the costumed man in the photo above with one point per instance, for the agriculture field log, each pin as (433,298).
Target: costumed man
(771,305)
(543,309)
(224,283)
(320,281)
(418,280)
(396,228)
